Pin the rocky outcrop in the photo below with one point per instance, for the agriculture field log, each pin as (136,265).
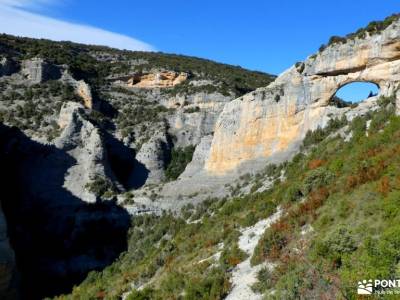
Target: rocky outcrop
(83,142)
(82,89)
(160,79)
(195,120)
(154,155)
(274,119)
(57,237)
(37,70)
(200,156)
(67,112)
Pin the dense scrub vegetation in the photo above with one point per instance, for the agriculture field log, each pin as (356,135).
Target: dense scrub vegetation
(36,107)
(341,210)
(87,62)
(342,226)
(101,187)
(134,114)
(372,28)
(174,253)
(180,157)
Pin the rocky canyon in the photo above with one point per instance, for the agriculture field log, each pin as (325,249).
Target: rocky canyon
(112,162)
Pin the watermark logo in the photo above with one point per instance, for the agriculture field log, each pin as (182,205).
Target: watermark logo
(378,286)
(365,287)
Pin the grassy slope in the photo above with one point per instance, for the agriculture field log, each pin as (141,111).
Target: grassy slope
(349,193)
(353,209)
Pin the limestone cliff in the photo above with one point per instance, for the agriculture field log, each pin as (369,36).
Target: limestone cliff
(83,142)
(70,158)
(274,119)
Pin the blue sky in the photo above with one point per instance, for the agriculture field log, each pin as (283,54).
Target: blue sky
(257,34)
(357,91)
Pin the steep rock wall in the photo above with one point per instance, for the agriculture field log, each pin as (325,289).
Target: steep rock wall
(82,141)
(275,119)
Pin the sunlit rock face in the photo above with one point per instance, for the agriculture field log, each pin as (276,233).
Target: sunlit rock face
(83,90)
(160,79)
(276,118)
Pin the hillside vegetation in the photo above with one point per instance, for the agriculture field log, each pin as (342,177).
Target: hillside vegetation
(96,63)
(341,210)
(374,27)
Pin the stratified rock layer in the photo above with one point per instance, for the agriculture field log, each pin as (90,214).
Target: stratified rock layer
(276,118)
(160,79)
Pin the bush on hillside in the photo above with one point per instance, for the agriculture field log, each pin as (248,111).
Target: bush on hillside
(180,157)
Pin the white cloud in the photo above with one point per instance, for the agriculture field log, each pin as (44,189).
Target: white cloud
(26,3)
(16,21)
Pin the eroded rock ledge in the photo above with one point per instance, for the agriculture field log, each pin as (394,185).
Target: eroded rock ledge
(155,79)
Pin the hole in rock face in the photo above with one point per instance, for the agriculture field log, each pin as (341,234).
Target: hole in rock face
(354,92)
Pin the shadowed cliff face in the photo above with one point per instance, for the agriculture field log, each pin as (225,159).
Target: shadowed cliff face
(57,238)
(8,282)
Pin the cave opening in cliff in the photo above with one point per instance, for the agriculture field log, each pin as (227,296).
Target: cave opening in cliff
(353,93)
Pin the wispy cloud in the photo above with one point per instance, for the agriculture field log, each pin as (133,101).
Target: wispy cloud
(26,3)
(14,19)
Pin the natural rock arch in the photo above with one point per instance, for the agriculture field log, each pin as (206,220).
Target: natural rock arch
(273,120)
(350,83)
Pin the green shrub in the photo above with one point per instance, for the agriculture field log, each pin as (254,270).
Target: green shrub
(373,27)
(192,110)
(146,294)
(358,127)
(180,157)
(318,135)
(213,287)
(231,256)
(101,187)
(316,179)
(264,281)
(293,193)
(339,242)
